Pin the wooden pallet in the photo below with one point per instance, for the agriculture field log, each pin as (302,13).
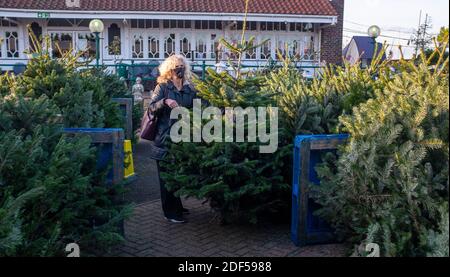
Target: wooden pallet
(100,138)
(126,104)
(306,228)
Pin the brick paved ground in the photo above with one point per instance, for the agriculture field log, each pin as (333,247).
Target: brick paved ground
(148,234)
(146,186)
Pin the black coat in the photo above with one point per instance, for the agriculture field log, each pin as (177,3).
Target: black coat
(184,98)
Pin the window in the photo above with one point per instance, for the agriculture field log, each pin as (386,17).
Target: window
(59,22)
(155,23)
(114,42)
(266,49)
(140,23)
(185,48)
(281,48)
(215,48)
(138,47)
(7,23)
(169,46)
(205,25)
(145,23)
(296,50)
(215,25)
(308,51)
(83,23)
(37,31)
(183,24)
(172,24)
(273,26)
(153,48)
(86,43)
(249,26)
(200,49)
(12,44)
(250,54)
(276,26)
(263,26)
(302,27)
(308,27)
(62,43)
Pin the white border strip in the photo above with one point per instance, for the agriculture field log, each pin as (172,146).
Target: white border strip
(168,15)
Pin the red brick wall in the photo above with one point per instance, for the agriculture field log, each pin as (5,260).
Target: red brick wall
(331,39)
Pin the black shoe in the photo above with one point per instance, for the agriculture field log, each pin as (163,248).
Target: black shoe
(185,211)
(177,220)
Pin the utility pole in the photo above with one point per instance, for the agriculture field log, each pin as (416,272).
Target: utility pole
(422,38)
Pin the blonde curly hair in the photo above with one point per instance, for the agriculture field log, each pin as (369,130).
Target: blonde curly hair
(169,64)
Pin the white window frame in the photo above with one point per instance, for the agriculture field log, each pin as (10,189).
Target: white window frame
(74,32)
(4,47)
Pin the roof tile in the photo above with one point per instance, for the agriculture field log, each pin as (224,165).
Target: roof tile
(303,7)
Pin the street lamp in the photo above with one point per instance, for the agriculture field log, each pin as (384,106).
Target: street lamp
(96,26)
(374,31)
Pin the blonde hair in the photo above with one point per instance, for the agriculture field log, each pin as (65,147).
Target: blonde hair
(165,69)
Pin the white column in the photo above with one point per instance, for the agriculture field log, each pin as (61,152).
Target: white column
(22,44)
(160,36)
(126,41)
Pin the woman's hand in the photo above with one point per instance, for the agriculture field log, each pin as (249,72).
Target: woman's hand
(171,103)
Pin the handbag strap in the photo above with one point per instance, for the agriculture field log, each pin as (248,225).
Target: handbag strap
(166,91)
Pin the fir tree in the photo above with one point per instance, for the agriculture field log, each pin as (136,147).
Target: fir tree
(51,193)
(391,181)
(240,183)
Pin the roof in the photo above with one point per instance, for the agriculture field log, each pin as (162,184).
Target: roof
(366,47)
(292,7)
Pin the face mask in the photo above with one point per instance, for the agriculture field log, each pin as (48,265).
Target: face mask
(180,72)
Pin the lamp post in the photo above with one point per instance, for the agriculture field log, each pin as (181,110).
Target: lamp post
(374,31)
(96,26)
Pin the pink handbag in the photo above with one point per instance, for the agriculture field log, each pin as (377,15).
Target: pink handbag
(149,124)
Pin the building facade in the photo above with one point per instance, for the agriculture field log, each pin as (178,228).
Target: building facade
(362,49)
(151,30)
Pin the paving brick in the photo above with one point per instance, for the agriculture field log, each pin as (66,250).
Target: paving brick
(148,234)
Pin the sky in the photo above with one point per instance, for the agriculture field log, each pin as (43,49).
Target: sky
(397,18)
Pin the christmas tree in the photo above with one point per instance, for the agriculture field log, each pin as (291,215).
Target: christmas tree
(50,191)
(390,184)
(239,182)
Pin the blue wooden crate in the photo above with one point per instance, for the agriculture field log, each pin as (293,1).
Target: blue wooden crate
(306,228)
(110,151)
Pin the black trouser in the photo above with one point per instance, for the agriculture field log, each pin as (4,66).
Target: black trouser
(171,205)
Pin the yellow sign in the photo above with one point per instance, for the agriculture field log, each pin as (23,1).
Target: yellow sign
(129,165)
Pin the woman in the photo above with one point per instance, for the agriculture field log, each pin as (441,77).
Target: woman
(174,89)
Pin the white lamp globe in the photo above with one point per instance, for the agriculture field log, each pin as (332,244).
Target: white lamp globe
(96,26)
(374,31)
